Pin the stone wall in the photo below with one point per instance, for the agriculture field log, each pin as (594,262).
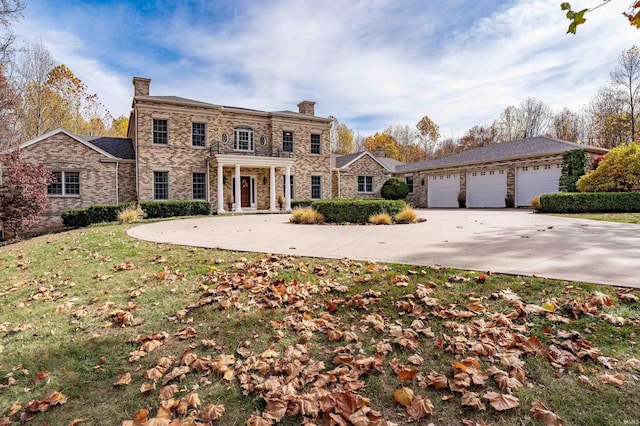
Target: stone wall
(364,166)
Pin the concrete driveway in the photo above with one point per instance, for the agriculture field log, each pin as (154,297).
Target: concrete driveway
(508,241)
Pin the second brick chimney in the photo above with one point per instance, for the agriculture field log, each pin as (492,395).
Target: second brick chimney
(141,86)
(306,108)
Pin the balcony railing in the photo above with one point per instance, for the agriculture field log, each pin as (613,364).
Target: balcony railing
(216,148)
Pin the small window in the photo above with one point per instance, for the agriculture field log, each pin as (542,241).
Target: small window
(198,134)
(409,181)
(287,141)
(199,186)
(243,139)
(284,182)
(492,173)
(315,144)
(483,173)
(365,184)
(501,172)
(536,167)
(65,184)
(316,187)
(441,177)
(160,132)
(524,169)
(474,174)
(160,185)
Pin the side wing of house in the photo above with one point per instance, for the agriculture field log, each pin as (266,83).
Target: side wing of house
(362,178)
(84,175)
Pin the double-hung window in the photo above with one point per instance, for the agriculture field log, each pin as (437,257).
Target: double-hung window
(315,144)
(65,184)
(160,185)
(365,184)
(198,134)
(284,185)
(160,132)
(243,139)
(287,141)
(199,186)
(316,187)
(409,181)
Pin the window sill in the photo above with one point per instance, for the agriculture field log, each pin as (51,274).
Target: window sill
(159,144)
(63,196)
(199,146)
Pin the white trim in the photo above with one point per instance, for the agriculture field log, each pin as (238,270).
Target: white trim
(253,160)
(362,154)
(72,136)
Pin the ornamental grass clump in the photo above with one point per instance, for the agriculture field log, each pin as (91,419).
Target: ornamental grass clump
(306,215)
(406,215)
(380,219)
(535,203)
(130,214)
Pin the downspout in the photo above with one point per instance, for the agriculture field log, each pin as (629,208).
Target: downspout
(117,184)
(339,187)
(207,177)
(135,150)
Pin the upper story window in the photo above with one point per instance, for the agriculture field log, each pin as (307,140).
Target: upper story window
(365,184)
(315,144)
(65,184)
(287,141)
(243,139)
(198,134)
(409,181)
(160,132)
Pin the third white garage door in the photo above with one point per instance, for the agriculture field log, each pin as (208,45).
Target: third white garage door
(487,188)
(535,180)
(443,190)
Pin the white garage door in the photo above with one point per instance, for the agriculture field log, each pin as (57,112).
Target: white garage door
(443,190)
(532,181)
(487,188)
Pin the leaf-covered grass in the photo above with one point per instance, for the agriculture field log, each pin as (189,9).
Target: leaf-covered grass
(607,217)
(60,331)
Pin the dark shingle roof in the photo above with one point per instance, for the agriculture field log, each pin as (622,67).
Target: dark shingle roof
(522,148)
(339,161)
(343,160)
(389,163)
(118,147)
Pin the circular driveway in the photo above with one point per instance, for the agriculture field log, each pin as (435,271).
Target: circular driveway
(506,241)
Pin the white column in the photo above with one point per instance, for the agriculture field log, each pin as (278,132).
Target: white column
(272,189)
(220,189)
(238,190)
(287,188)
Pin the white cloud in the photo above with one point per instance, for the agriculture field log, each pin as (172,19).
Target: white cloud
(371,64)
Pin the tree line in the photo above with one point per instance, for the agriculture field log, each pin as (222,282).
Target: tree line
(38,95)
(609,119)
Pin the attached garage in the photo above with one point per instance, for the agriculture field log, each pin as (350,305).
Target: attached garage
(486,188)
(443,190)
(535,180)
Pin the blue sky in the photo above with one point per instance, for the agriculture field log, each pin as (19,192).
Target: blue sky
(370,63)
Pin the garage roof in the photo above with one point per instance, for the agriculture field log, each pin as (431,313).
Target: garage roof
(521,148)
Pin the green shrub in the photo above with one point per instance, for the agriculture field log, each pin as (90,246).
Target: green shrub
(356,211)
(75,218)
(105,212)
(574,165)
(407,215)
(591,202)
(394,189)
(301,203)
(618,171)
(306,215)
(162,209)
(381,219)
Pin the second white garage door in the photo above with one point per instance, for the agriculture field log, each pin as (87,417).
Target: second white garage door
(532,181)
(443,190)
(486,188)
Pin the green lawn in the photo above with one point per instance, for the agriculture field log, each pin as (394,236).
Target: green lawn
(607,217)
(100,318)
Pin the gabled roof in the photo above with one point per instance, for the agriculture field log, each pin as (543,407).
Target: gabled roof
(118,147)
(521,148)
(344,161)
(112,148)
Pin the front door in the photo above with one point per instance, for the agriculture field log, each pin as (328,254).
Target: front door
(245,191)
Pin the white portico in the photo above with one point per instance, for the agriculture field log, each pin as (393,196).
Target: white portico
(243,186)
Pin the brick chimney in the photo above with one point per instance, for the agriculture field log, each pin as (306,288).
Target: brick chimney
(306,107)
(379,152)
(141,86)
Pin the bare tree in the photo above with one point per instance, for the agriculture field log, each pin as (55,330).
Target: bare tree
(507,126)
(567,125)
(10,11)
(625,77)
(605,112)
(535,117)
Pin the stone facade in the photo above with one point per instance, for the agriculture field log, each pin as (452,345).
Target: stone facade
(346,179)
(102,180)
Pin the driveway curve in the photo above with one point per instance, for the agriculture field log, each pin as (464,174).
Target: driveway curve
(505,241)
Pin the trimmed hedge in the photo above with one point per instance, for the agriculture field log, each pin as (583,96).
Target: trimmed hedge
(394,189)
(153,209)
(356,211)
(590,202)
(301,203)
